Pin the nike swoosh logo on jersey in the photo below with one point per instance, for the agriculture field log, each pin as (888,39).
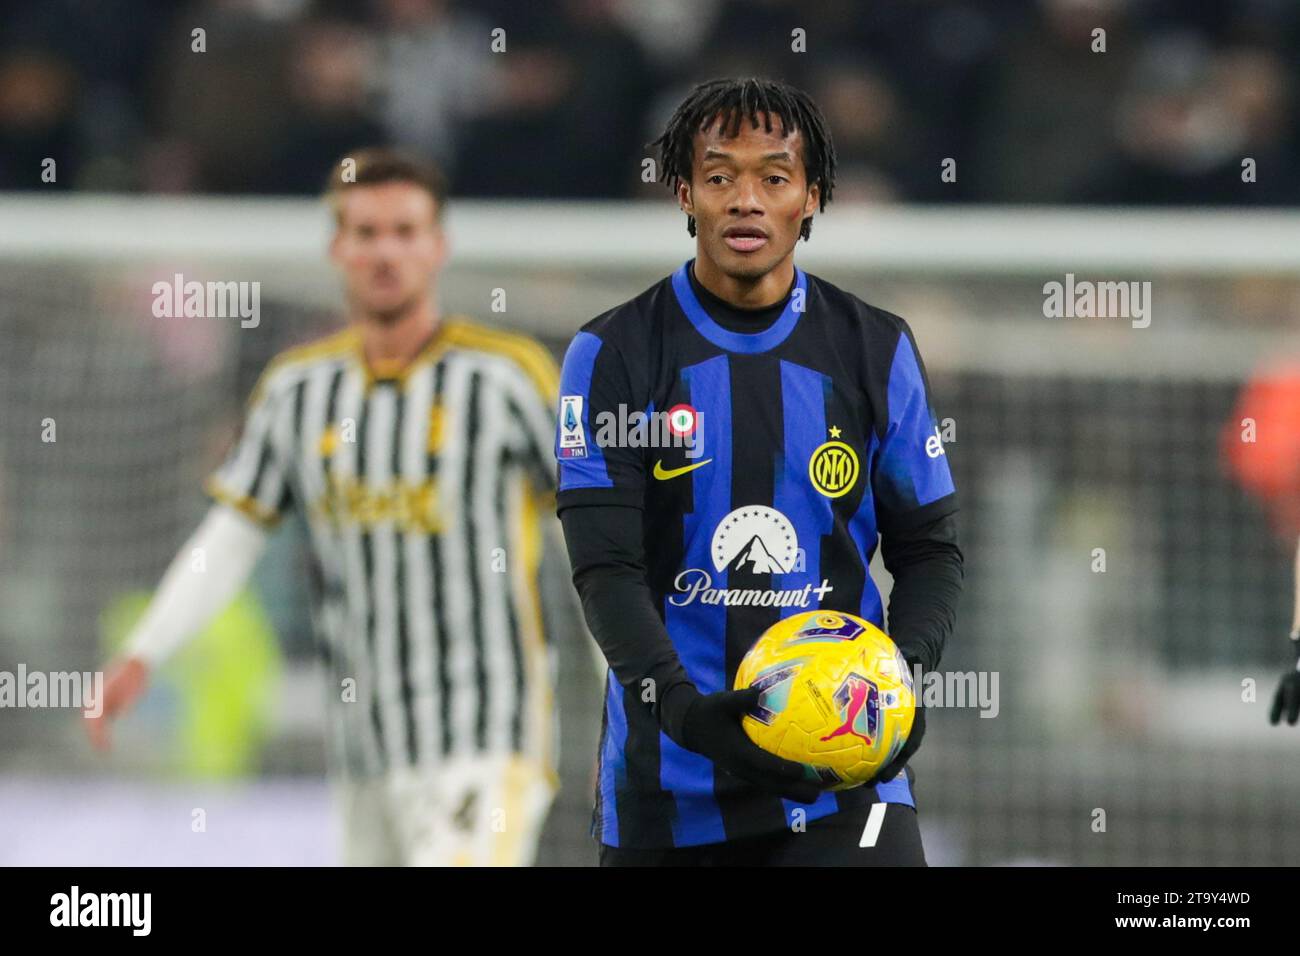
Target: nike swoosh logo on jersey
(663,474)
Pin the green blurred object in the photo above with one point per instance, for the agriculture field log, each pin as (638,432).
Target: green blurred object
(222,682)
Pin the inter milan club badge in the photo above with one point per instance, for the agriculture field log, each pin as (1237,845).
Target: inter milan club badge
(833,467)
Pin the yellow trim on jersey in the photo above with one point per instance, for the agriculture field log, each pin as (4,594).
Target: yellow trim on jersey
(524,350)
(351,341)
(338,343)
(432,351)
(248,506)
(399,372)
(451,332)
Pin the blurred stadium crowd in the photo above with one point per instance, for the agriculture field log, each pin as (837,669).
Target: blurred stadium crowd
(1186,88)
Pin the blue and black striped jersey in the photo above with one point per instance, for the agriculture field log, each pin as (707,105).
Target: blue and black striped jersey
(766,464)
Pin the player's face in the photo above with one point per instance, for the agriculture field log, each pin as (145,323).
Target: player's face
(388,247)
(749,196)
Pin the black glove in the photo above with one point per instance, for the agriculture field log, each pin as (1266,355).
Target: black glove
(709,724)
(895,766)
(1287,698)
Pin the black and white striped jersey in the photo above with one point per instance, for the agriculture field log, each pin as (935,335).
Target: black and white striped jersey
(425,495)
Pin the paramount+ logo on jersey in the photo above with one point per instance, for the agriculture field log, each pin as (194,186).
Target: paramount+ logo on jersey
(750,544)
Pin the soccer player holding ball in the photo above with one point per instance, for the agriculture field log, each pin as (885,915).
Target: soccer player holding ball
(803,437)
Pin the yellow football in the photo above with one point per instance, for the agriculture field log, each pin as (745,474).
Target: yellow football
(837,696)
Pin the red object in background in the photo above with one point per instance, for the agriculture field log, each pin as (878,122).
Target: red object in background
(1268,467)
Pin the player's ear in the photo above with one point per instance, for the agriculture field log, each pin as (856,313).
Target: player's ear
(812,202)
(684,197)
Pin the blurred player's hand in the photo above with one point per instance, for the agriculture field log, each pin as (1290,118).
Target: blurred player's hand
(895,766)
(709,724)
(124,684)
(1287,699)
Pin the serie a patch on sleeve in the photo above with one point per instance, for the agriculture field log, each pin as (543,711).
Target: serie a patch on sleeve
(573,438)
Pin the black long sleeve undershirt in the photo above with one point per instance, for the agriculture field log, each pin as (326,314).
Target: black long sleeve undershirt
(927,568)
(607,554)
(606,550)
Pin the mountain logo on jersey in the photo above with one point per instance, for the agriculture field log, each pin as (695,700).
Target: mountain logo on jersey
(573,439)
(757,559)
(757,539)
(751,544)
(833,467)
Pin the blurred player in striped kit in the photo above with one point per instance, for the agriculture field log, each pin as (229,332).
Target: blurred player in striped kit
(418,450)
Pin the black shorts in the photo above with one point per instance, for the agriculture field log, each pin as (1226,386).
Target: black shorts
(889,829)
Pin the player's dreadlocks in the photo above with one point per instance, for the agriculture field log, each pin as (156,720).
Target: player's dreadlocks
(730,102)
